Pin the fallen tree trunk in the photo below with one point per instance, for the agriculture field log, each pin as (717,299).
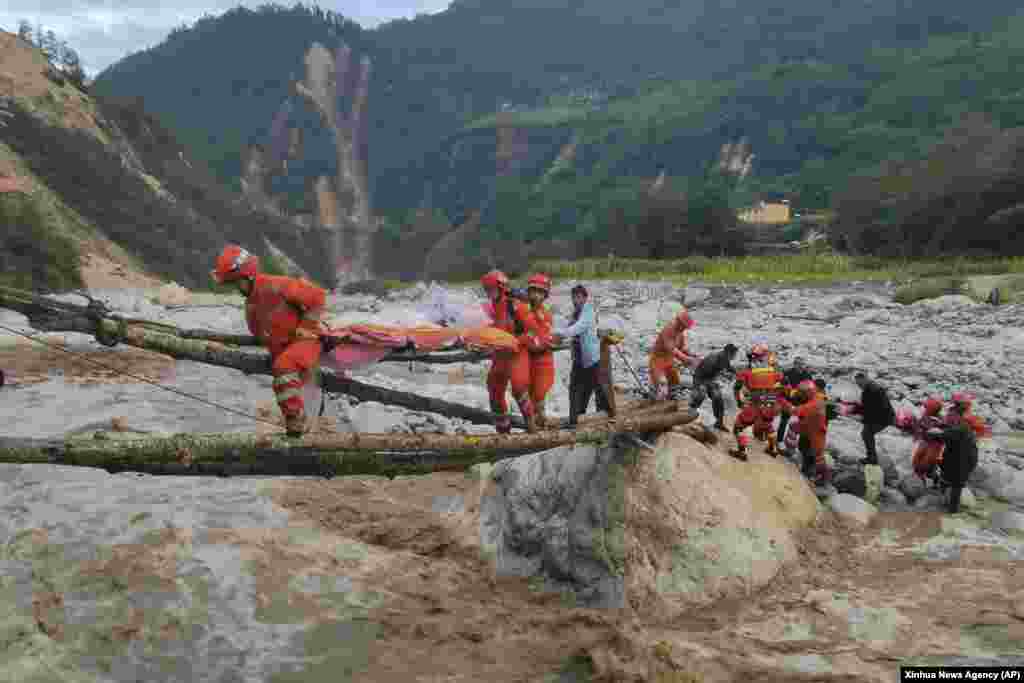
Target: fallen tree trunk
(52,316)
(341,454)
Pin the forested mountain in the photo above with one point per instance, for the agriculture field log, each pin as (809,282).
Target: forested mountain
(618,92)
(84,176)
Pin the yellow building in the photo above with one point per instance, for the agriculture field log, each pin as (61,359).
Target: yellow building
(767,212)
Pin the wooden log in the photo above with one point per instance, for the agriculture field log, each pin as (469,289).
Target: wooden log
(53,316)
(345,454)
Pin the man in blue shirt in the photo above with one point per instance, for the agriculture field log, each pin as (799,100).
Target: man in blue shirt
(586,377)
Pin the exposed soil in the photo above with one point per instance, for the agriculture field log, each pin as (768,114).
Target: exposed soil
(449,618)
(23,74)
(102,271)
(28,362)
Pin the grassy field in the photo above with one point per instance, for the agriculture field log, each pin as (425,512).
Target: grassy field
(787,269)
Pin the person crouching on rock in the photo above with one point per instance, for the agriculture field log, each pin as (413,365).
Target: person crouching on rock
(284,314)
(508,314)
(585,377)
(813,426)
(539,342)
(959,458)
(705,382)
(670,348)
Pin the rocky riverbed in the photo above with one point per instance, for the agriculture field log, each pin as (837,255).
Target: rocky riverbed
(128,577)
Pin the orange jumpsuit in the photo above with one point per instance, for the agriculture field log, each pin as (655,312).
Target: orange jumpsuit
(663,355)
(814,426)
(977,424)
(538,341)
(276,309)
(927,452)
(510,368)
(764,386)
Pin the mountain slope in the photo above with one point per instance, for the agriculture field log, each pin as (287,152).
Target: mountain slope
(225,77)
(106,179)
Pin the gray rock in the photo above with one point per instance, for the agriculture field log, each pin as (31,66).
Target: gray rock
(912,487)
(931,500)
(852,509)
(695,296)
(553,517)
(1008,521)
(892,497)
(1000,480)
(727,297)
(850,480)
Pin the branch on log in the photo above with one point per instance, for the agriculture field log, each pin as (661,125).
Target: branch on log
(348,454)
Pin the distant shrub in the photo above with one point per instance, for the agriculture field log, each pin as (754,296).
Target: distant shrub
(930,289)
(34,254)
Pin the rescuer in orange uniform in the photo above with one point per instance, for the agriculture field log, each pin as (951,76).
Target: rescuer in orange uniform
(511,316)
(757,390)
(538,341)
(813,427)
(284,314)
(961,410)
(669,349)
(928,450)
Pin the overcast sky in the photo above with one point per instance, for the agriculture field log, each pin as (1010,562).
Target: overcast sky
(104,31)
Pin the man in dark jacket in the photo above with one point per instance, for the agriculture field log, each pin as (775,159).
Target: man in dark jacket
(877,412)
(705,382)
(791,380)
(959,458)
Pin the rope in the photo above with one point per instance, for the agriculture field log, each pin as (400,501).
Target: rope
(138,377)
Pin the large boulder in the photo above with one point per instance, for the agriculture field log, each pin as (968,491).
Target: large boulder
(850,480)
(1000,480)
(685,525)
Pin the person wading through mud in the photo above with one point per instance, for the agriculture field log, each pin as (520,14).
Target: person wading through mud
(509,315)
(877,413)
(705,382)
(791,379)
(586,377)
(284,314)
(670,348)
(539,342)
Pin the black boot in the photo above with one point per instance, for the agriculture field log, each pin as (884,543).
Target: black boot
(954,499)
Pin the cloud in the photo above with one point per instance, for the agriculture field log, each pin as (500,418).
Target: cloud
(104,31)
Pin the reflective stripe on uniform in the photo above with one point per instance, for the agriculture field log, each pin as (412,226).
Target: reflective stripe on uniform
(281,380)
(286,394)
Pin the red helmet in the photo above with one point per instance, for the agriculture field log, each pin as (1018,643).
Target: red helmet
(683,316)
(932,406)
(759,351)
(539,281)
(962,398)
(495,278)
(235,263)
(807,388)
